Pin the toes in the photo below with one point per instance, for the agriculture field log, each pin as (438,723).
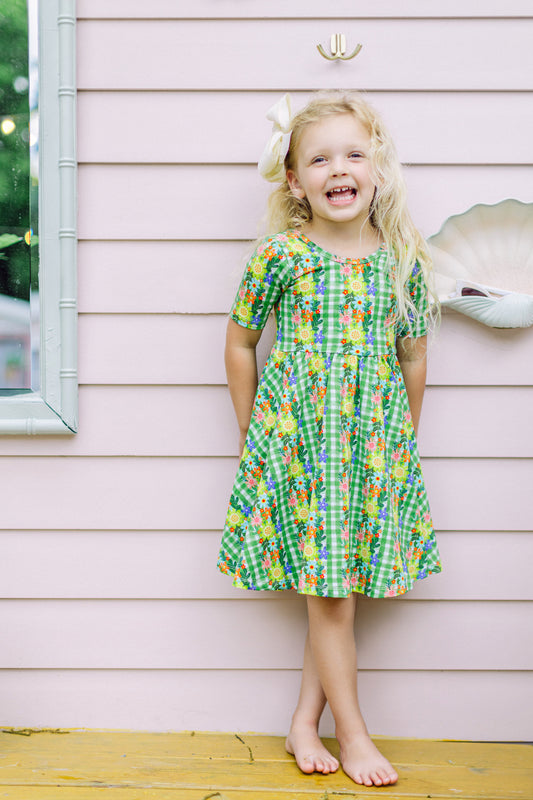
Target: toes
(323,766)
(306,765)
(383,776)
(375,778)
(363,779)
(388,778)
(371,779)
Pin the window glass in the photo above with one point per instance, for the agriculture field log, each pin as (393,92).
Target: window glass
(19,170)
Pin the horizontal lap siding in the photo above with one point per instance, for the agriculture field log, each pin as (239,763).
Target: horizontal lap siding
(191,202)
(142,349)
(176,277)
(423,126)
(113,613)
(297,9)
(265,634)
(199,421)
(164,565)
(425,54)
(192,493)
(222,699)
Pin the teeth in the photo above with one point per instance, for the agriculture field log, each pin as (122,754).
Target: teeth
(341,189)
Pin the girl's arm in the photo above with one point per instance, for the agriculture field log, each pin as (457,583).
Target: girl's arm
(413,363)
(241,369)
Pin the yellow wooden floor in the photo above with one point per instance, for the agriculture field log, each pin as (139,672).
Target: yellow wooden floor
(117,765)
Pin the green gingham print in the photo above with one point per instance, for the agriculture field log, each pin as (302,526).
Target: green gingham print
(329,496)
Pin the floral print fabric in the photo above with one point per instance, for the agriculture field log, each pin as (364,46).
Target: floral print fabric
(329,497)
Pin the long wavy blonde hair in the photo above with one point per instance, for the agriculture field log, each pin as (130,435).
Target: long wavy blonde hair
(388,212)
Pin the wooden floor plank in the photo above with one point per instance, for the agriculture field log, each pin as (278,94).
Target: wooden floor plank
(146,773)
(89,765)
(186,745)
(416,751)
(245,746)
(118,793)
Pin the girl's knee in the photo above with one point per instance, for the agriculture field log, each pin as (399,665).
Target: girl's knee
(333,609)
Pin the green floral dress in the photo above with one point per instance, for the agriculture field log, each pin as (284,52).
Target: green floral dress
(329,497)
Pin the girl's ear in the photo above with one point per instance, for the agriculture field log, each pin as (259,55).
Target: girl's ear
(295,185)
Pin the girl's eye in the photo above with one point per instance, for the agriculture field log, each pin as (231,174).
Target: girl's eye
(318,160)
(356,154)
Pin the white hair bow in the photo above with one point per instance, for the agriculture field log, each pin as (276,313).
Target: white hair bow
(271,163)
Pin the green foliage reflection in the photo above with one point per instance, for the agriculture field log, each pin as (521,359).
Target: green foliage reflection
(15,222)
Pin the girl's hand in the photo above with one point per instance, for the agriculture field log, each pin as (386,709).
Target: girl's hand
(413,363)
(242,441)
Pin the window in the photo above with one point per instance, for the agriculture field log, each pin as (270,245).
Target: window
(38,391)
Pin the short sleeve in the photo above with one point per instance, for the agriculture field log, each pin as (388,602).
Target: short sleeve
(418,292)
(261,286)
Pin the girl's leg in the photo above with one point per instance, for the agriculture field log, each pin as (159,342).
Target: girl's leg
(303,740)
(331,636)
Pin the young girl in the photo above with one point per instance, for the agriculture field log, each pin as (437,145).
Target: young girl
(329,497)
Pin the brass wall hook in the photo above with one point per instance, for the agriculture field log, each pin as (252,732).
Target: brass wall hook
(338,48)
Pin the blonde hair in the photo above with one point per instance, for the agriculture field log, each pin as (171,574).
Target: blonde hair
(388,212)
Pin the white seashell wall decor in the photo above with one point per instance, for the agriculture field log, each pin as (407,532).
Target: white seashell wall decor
(484,263)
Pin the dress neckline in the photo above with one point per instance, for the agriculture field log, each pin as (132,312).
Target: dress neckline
(328,253)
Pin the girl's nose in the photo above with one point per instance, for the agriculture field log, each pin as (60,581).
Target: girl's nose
(338,166)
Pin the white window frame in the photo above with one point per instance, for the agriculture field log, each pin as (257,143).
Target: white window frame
(54,409)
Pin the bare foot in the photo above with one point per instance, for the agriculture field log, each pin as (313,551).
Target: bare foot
(303,742)
(363,763)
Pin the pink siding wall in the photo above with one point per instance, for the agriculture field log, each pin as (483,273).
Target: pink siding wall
(113,614)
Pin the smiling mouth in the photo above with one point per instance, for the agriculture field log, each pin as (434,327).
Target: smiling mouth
(342,194)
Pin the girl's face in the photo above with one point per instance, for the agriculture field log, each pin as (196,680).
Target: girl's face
(333,172)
